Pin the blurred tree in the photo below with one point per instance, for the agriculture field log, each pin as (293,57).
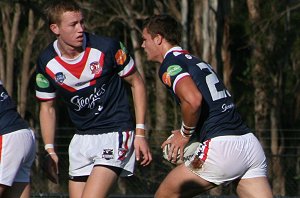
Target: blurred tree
(10,18)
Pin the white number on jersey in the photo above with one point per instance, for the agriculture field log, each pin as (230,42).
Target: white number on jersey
(211,81)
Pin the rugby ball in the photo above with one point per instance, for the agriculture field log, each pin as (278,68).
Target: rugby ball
(188,152)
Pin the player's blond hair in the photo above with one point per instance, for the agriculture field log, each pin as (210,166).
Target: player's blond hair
(55,8)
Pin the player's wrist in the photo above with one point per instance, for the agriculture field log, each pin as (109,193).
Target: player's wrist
(49,146)
(140,126)
(140,130)
(140,136)
(186,131)
(185,135)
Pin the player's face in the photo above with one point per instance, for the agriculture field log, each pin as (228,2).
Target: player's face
(70,29)
(150,47)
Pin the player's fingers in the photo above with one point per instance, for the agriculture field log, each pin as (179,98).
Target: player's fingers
(181,153)
(137,154)
(56,168)
(150,157)
(170,154)
(146,158)
(168,141)
(55,159)
(175,154)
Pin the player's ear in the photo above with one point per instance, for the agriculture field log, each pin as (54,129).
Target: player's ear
(158,39)
(54,28)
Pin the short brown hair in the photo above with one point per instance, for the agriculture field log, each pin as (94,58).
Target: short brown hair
(164,25)
(55,8)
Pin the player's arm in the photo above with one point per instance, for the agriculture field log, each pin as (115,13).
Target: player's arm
(139,99)
(190,101)
(190,104)
(47,123)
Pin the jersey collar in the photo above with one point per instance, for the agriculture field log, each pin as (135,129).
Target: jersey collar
(176,49)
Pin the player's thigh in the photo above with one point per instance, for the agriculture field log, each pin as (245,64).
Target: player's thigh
(18,189)
(96,186)
(76,188)
(182,182)
(257,187)
(2,189)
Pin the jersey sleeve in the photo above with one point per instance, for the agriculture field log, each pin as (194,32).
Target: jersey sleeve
(44,90)
(171,73)
(124,62)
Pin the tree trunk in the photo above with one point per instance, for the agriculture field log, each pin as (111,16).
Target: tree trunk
(184,23)
(2,63)
(196,47)
(224,26)
(160,110)
(209,32)
(10,30)
(260,79)
(277,141)
(26,70)
(266,116)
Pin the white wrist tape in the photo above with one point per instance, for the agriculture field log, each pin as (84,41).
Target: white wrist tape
(141,136)
(47,146)
(140,126)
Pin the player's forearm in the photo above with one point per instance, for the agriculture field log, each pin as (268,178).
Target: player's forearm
(47,124)
(139,99)
(190,115)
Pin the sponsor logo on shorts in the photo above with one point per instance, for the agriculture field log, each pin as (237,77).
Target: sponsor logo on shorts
(41,81)
(108,154)
(122,153)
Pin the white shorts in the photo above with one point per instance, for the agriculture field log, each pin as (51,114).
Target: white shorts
(223,159)
(109,149)
(17,153)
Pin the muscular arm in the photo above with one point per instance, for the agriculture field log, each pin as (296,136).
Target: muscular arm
(190,101)
(190,104)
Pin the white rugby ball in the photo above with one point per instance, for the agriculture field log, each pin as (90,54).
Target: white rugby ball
(188,152)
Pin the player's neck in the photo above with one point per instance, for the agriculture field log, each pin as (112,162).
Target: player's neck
(166,49)
(68,51)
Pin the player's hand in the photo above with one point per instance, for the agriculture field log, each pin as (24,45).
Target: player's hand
(177,144)
(55,159)
(50,167)
(142,151)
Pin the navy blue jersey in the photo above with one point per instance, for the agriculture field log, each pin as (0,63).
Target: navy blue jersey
(91,84)
(10,119)
(218,113)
